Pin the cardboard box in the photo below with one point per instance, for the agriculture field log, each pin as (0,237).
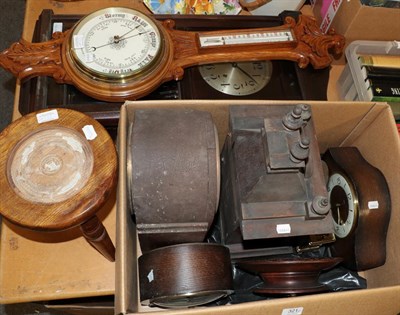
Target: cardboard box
(368,126)
(356,21)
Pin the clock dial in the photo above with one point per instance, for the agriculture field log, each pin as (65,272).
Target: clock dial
(237,78)
(115,43)
(343,204)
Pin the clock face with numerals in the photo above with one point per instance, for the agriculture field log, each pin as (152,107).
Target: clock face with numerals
(237,78)
(344,204)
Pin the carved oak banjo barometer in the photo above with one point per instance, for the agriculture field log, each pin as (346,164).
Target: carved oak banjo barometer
(360,206)
(117,53)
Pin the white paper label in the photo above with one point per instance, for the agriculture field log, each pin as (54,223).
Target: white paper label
(150,276)
(89,132)
(293,311)
(373,204)
(78,41)
(57,27)
(283,228)
(47,116)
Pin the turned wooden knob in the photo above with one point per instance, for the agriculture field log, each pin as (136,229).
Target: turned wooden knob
(58,167)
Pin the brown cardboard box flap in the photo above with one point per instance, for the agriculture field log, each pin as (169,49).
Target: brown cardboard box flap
(368,126)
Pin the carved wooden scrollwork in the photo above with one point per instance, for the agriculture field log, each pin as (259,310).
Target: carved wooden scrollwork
(24,59)
(314,46)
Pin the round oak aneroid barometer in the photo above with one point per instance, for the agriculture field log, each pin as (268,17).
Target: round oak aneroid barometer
(58,169)
(117,53)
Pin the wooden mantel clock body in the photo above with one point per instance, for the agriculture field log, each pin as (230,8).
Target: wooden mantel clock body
(360,205)
(117,54)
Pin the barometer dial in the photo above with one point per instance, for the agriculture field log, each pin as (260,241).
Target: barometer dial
(115,43)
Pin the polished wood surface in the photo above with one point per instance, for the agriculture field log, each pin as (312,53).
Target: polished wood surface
(62,212)
(290,275)
(369,235)
(185,275)
(181,50)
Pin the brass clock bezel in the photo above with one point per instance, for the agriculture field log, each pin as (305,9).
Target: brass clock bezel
(355,202)
(122,77)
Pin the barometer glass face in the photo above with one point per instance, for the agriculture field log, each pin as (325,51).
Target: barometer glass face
(115,43)
(343,204)
(237,78)
(50,165)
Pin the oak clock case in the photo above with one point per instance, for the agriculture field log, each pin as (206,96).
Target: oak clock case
(360,206)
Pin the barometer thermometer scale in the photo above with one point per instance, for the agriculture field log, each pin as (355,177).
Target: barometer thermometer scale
(246,38)
(117,54)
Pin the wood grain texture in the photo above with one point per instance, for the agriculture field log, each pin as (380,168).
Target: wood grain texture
(25,60)
(371,228)
(73,211)
(186,270)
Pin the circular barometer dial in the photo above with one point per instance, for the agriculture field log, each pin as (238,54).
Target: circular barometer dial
(237,78)
(344,204)
(115,44)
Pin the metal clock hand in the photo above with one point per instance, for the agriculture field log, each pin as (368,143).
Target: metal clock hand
(122,36)
(116,41)
(235,65)
(338,213)
(135,35)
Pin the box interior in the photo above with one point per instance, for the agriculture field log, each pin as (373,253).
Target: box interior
(356,21)
(368,126)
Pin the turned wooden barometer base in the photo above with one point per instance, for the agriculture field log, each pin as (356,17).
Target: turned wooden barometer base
(58,168)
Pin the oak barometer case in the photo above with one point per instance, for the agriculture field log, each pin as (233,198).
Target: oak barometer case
(98,55)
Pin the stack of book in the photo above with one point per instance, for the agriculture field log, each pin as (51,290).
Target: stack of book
(382,76)
(382,79)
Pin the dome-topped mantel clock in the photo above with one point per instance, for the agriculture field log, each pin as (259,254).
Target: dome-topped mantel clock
(117,54)
(360,205)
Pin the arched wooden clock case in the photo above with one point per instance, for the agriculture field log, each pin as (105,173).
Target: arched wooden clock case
(360,206)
